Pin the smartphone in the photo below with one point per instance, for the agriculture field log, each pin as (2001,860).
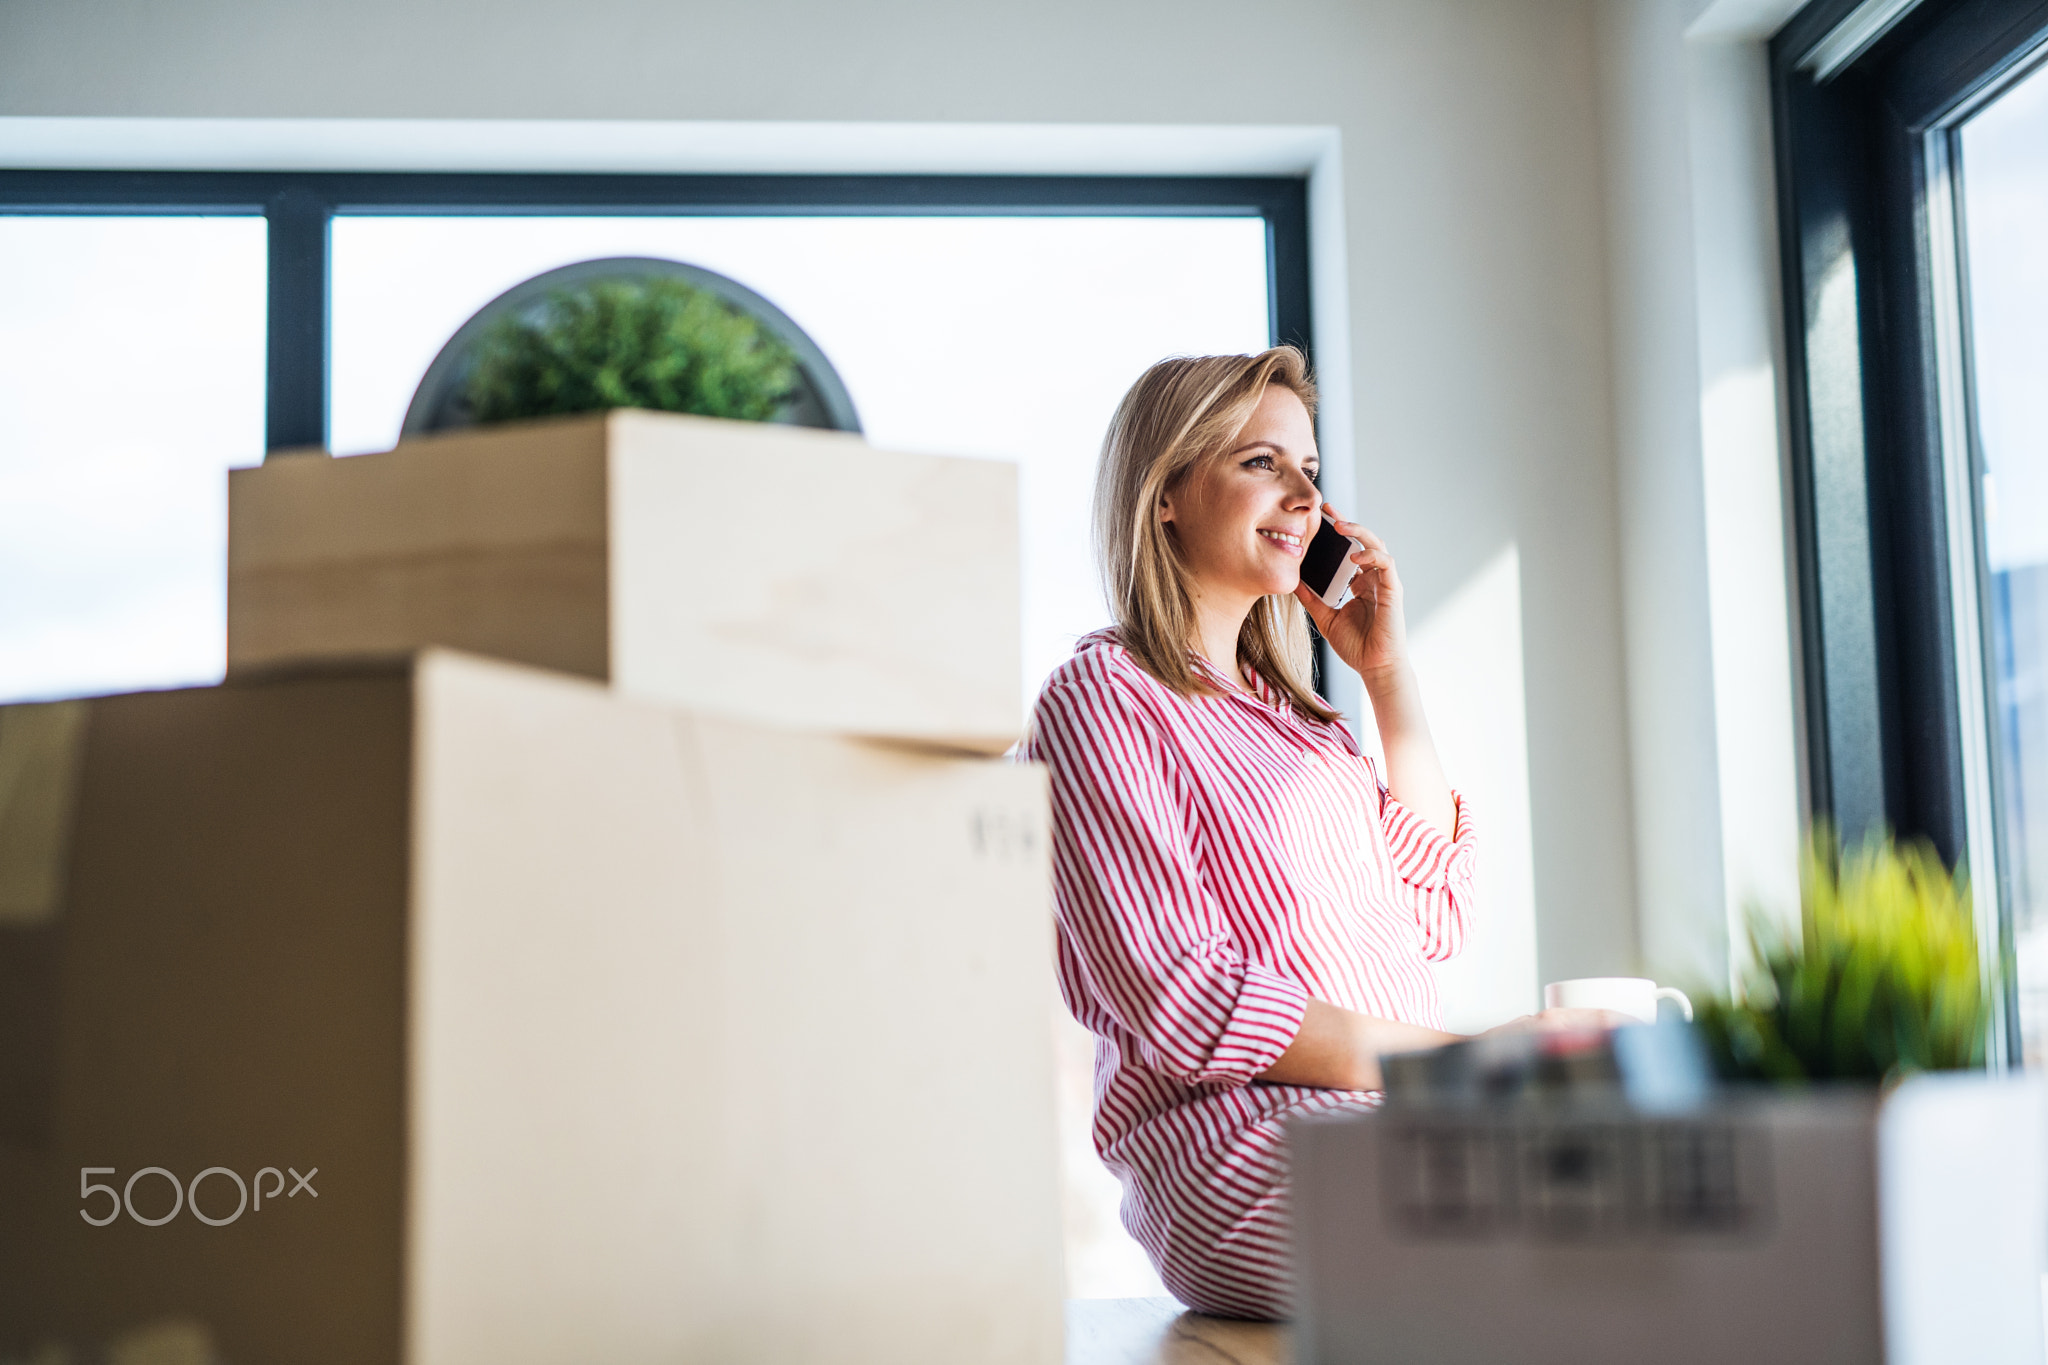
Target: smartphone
(1326,566)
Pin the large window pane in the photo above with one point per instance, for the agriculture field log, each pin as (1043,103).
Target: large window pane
(2005,178)
(1009,337)
(131,379)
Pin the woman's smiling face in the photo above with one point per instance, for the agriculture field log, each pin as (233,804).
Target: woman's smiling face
(1243,519)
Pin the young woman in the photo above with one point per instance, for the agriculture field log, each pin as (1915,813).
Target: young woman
(1247,905)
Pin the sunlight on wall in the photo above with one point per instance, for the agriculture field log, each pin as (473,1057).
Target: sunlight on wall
(1754,728)
(1468,656)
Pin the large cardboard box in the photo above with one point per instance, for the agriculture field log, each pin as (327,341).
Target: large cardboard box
(1827,1228)
(613,1032)
(775,573)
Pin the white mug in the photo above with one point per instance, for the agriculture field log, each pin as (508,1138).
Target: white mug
(1634,996)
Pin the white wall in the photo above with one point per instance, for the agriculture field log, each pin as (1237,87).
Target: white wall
(1699,449)
(1470,186)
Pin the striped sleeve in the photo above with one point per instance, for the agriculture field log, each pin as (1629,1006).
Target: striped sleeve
(1135,919)
(1435,872)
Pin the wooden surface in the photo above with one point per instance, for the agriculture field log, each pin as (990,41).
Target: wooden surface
(1161,1332)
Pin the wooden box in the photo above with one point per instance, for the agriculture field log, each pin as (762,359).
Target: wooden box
(774,573)
(615,1032)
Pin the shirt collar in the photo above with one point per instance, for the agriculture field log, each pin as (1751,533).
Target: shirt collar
(1280,707)
(1261,689)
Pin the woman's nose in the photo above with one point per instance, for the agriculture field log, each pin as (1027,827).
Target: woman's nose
(1302,491)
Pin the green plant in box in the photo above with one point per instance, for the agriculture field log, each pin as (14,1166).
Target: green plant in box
(658,343)
(1883,978)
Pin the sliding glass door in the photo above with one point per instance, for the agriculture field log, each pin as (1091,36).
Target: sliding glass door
(2001,162)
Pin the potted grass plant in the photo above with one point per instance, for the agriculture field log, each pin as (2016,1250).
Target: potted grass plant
(659,343)
(1883,978)
(1882,999)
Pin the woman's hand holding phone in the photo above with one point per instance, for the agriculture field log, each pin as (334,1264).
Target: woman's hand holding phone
(1369,632)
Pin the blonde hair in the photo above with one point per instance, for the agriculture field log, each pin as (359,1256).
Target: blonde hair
(1180,414)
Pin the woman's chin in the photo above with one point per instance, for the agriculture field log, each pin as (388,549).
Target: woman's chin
(1268,580)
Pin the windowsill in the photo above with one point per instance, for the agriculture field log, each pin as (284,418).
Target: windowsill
(1161,1332)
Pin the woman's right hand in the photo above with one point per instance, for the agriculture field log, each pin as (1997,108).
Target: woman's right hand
(1562,1021)
(1370,632)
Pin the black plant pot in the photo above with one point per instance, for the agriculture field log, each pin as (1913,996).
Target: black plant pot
(441,402)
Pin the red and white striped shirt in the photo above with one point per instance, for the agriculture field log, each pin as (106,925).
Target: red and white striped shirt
(1217,861)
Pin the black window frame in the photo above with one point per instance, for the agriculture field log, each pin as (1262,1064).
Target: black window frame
(300,207)
(1867,149)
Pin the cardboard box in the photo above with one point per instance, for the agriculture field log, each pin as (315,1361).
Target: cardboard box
(775,573)
(614,1033)
(1826,1228)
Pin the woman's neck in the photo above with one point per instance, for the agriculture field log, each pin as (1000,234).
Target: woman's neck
(1217,626)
